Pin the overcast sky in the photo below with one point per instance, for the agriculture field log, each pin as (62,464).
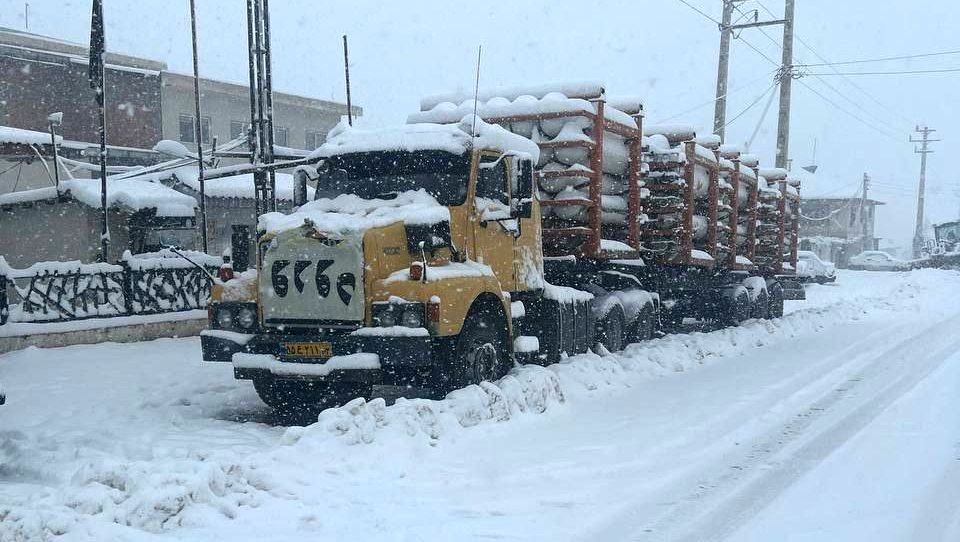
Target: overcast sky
(658,49)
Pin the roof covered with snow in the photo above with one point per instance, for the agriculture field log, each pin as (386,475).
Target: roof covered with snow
(454,138)
(134,194)
(19,136)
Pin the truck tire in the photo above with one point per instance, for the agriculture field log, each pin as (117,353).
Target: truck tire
(611,331)
(761,306)
(481,352)
(776,300)
(291,395)
(645,326)
(736,307)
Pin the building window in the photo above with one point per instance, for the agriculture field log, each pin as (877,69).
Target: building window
(280,136)
(238,128)
(187,129)
(313,139)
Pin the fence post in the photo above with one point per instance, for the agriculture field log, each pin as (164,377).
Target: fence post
(4,308)
(127,286)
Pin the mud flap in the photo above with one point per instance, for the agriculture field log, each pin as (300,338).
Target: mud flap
(792,289)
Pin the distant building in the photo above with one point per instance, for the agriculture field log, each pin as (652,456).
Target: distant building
(40,75)
(838,228)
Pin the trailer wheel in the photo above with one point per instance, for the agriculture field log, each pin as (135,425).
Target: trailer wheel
(736,306)
(610,330)
(761,305)
(776,300)
(290,395)
(645,325)
(481,353)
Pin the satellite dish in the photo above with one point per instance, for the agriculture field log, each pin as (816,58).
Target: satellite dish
(810,169)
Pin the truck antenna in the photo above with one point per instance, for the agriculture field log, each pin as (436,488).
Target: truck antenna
(476,93)
(346,70)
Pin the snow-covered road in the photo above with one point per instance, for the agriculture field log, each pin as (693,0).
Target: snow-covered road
(840,421)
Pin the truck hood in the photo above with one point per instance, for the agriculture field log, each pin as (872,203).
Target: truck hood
(348,215)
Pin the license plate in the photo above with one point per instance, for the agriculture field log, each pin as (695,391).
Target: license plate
(308,350)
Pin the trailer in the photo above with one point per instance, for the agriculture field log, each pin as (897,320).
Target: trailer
(547,223)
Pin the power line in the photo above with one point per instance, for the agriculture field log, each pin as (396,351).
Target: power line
(883,59)
(752,104)
(886,109)
(904,72)
(712,100)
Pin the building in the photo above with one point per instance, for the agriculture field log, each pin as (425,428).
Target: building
(63,223)
(838,228)
(145,102)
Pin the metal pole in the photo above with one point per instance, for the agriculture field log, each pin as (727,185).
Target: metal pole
(866,243)
(56,156)
(720,111)
(346,69)
(104,222)
(786,82)
(268,97)
(198,128)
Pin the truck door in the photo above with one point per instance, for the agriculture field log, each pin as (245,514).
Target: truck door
(495,230)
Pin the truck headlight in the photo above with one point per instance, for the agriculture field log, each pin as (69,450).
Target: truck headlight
(393,314)
(412,318)
(246,318)
(224,318)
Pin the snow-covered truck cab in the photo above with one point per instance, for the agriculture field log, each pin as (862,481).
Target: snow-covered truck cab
(400,270)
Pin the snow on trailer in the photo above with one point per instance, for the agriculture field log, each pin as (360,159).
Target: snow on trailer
(589,160)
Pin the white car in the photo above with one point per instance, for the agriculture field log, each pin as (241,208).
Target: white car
(877,260)
(810,268)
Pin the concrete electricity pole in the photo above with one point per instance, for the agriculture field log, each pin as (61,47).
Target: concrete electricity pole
(720,108)
(727,28)
(923,151)
(786,80)
(866,242)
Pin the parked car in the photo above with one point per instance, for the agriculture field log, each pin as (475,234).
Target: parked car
(810,268)
(878,260)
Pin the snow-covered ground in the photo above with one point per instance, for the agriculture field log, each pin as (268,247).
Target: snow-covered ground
(839,421)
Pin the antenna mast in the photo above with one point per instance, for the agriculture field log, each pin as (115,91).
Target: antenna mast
(476,93)
(346,70)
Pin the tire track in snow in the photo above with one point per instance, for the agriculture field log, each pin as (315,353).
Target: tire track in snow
(719,504)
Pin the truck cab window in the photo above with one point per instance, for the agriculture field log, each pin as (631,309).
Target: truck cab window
(492,182)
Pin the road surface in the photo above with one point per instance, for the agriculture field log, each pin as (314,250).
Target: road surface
(840,421)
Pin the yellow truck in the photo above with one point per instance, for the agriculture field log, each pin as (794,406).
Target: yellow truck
(435,255)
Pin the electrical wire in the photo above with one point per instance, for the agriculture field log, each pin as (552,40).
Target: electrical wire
(712,101)
(904,72)
(883,59)
(752,104)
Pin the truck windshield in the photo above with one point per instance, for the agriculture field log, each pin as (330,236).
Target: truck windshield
(384,175)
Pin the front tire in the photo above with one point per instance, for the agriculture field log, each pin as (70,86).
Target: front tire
(736,306)
(776,300)
(481,353)
(761,305)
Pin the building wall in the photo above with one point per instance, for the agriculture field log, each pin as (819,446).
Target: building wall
(836,230)
(34,84)
(58,231)
(224,102)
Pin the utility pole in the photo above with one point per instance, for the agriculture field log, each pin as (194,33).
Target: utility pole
(727,29)
(786,81)
(866,241)
(923,151)
(198,128)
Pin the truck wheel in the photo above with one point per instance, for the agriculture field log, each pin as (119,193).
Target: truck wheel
(761,305)
(610,330)
(481,352)
(291,396)
(736,306)
(645,326)
(776,300)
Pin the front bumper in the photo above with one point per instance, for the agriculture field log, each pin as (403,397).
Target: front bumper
(368,358)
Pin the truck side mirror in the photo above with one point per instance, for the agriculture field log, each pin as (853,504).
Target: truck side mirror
(300,178)
(523,197)
(240,247)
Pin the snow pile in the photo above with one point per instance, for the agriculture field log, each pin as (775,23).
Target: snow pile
(573,89)
(348,213)
(455,139)
(236,186)
(168,259)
